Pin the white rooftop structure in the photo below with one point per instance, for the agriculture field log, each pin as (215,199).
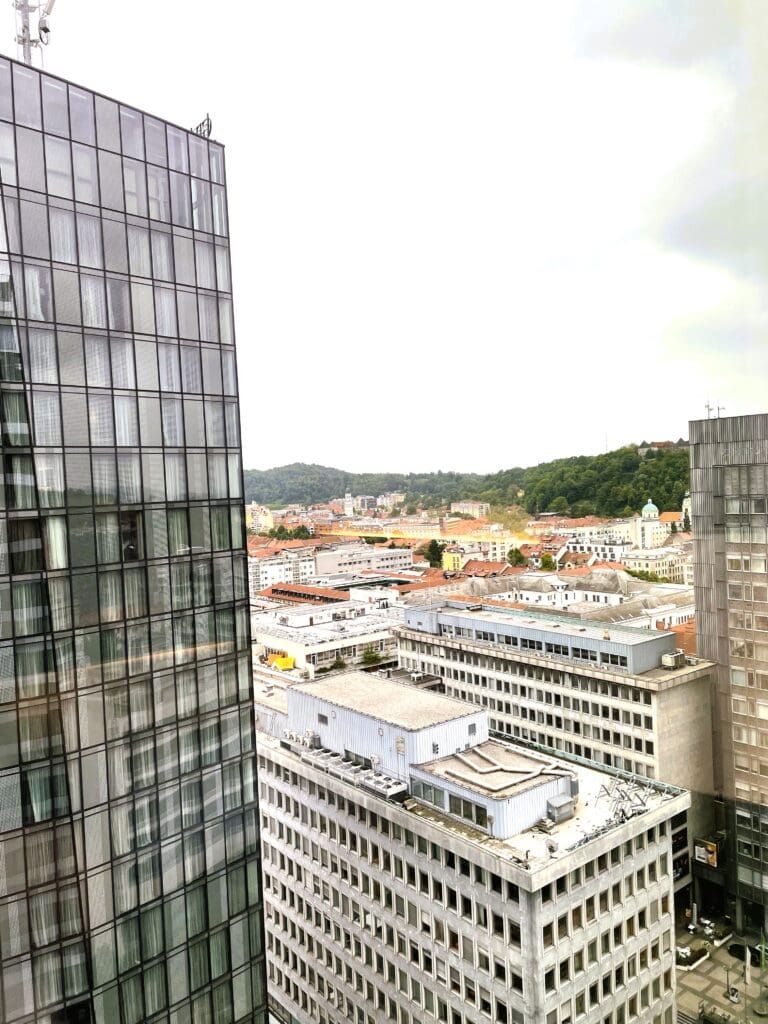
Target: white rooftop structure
(398,741)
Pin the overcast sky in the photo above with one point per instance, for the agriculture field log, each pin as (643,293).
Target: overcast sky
(469,235)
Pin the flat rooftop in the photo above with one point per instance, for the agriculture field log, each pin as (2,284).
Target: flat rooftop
(497,769)
(399,704)
(564,624)
(267,623)
(605,801)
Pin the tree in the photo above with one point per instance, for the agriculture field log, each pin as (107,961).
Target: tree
(371,656)
(548,562)
(674,526)
(516,557)
(434,553)
(559,504)
(686,522)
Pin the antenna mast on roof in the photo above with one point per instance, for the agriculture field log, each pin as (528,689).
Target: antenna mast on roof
(24,38)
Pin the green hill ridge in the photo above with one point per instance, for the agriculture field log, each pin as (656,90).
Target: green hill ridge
(611,484)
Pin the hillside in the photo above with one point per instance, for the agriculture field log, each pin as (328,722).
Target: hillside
(611,484)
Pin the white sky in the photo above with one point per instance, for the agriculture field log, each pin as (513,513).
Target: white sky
(468,236)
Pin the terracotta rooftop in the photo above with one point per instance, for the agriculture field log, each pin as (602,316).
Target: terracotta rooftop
(476,567)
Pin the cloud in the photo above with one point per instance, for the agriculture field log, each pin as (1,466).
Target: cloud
(679,34)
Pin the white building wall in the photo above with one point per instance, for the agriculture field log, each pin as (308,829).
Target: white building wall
(395,747)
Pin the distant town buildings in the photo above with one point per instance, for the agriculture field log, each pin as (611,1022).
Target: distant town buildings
(667,563)
(476,509)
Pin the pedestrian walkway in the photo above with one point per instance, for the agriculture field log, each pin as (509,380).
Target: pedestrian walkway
(708,980)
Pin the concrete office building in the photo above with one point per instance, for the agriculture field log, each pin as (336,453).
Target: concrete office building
(597,692)
(729,504)
(315,637)
(416,870)
(129,864)
(359,557)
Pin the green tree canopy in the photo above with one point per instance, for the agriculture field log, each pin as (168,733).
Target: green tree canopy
(434,553)
(516,557)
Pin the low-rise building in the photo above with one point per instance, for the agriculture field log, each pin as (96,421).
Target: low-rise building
(617,696)
(317,637)
(357,557)
(417,869)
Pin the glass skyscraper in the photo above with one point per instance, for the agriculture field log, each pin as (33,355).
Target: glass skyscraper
(129,863)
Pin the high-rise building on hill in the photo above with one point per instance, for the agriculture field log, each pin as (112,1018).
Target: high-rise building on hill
(129,863)
(729,513)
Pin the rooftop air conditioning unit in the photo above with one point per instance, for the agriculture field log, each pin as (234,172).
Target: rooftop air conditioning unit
(560,808)
(672,661)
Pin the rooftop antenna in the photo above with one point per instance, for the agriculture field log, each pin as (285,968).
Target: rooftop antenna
(24,37)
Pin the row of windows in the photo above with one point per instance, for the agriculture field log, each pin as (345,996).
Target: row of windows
(556,743)
(44,356)
(618,691)
(77,479)
(557,721)
(33,607)
(47,163)
(536,646)
(45,668)
(39,101)
(52,542)
(748,592)
(93,300)
(121,421)
(52,790)
(99,239)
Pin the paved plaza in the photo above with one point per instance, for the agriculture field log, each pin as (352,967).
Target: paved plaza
(707,982)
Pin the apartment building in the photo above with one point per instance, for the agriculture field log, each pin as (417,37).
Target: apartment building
(291,565)
(417,870)
(667,563)
(600,693)
(478,509)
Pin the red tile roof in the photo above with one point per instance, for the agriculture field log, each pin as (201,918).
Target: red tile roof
(476,567)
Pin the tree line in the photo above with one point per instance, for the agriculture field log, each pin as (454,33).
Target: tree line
(611,484)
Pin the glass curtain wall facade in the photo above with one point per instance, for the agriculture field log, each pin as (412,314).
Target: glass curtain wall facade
(129,864)
(729,510)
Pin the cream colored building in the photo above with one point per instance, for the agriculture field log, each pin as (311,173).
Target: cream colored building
(666,563)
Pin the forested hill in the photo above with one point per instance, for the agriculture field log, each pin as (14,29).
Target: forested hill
(616,483)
